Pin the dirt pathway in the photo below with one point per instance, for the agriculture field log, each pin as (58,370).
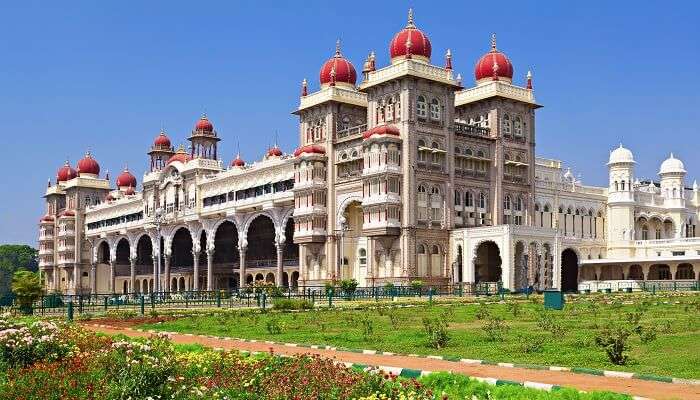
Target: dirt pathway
(635,387)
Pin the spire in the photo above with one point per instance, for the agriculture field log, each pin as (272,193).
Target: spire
(493,42)
(337,48)
(49,184)
(459,79)
(448,59)
(304,88)
(107,175)
(695,185)
(529,80)
(410,24)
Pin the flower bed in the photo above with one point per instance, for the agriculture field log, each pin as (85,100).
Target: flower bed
(41,360)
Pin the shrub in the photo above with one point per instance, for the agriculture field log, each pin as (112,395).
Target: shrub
(483,312)
(495,329)
(291,304)
(348,286)
(23,344)
(436,329)
(367,326)
(614,341)
(26,285)
(513,307)
(273,326)
(416,285)
(547,322)
(646,334)
(531,344)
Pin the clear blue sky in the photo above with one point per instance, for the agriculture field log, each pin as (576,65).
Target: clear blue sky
(106,75)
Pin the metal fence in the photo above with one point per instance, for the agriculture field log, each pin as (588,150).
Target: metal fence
(55,304)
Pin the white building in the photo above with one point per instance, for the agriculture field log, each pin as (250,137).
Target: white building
(406,175)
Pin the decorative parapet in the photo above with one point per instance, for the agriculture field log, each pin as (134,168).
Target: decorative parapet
(412,68)
(494,89)
(333,93)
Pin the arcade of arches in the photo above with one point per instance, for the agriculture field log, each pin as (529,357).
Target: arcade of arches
(650,271)
(228,264)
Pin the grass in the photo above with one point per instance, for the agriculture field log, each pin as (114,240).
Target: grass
(675,352)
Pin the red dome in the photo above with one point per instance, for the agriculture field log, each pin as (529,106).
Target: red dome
(88,165)
(274,151)
(381,130)
(181,156)
(162,141)
(341,67)
(493,64)
(238,161)
(126,178)
(66,173)
(204,125)
(410,40)
(309,149)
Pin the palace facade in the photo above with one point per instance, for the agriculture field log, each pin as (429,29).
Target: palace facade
(407,174)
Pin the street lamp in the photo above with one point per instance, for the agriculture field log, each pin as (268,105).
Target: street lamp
(158,221)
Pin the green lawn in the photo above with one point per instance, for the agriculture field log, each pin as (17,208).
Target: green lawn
(674,352)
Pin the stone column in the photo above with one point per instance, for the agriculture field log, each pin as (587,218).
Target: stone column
(598,272)
(210,269)
(674,269)
(156,258)
(112,275)
(166,287)
(76,278)
(625,272)
(93,278)
(280,261)
(241,268)
(55,273)
(132,275)
(645,271)
(195,258)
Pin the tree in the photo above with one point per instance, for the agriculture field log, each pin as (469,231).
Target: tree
(12,258)
(26,285)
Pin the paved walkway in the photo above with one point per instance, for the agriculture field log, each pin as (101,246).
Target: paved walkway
(635,387)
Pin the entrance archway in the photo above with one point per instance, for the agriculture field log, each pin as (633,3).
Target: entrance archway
(353,265)
(569,271)
(487,264)
(261,243)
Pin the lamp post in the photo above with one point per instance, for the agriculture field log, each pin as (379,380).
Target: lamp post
(158,221)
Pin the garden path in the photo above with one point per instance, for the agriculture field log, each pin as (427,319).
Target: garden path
(635,387)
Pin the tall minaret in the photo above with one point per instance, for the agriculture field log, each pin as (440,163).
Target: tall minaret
(160,151)
(620,219)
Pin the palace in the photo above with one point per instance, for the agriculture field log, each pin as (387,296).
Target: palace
(407,174)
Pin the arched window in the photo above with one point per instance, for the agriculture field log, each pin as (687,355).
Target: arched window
(518,126)
(519,204)
(421,107)
(435,250)
(480,154)
(362,257)
(506,125)
(537,207)
(421,189)
(482,200)
(507,203)
(645,232)
(458,198)
(435,109)
(622,185)
(468,152)
(421,249)
(546,208)
(468,199)
(435,190)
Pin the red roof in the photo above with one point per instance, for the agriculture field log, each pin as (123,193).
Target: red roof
(46,218)
(410,40)
(309,149)
(341,67)
(66,173)
(204,125)
(126,178)
(179,156)
(493,64)
(381,130)
(238,161)
(88,165)
(68,213)
(274,151)
(162,141)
